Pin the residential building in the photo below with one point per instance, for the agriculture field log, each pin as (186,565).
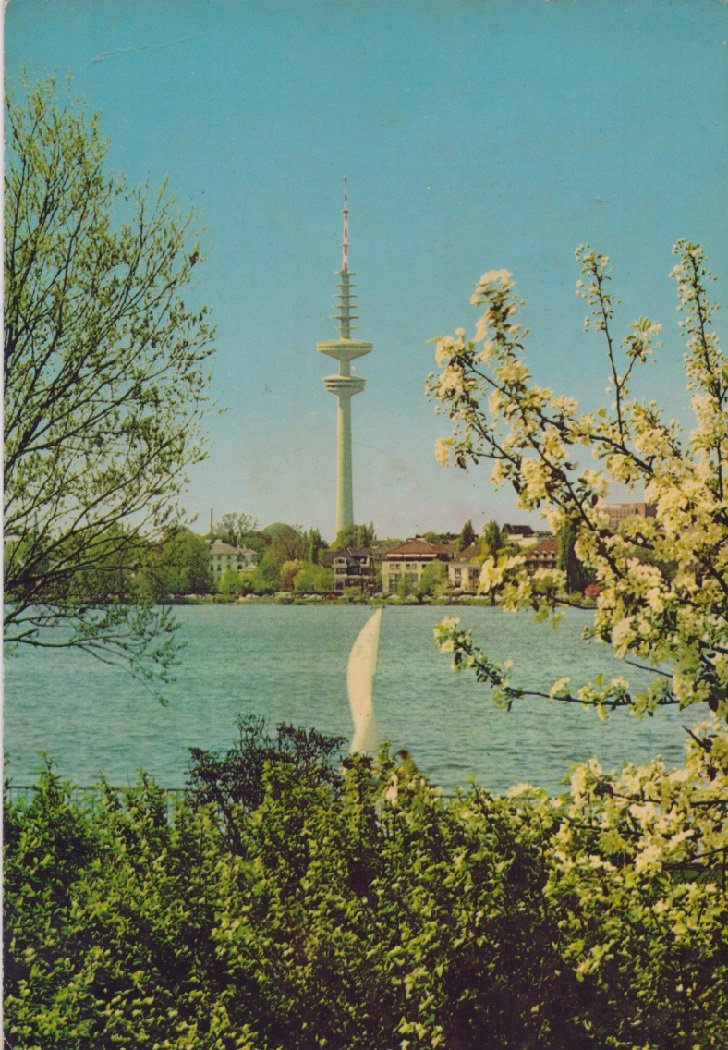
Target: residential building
(408,561)
(545,555)
(225,556)
(518,534)
(464,575)
(617,513)
(352,567)
(523,535)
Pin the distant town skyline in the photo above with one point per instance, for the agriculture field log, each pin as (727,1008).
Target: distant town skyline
(474,136)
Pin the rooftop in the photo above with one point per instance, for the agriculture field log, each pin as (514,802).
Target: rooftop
(418,549)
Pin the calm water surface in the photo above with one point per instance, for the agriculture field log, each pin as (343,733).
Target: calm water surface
(288,663)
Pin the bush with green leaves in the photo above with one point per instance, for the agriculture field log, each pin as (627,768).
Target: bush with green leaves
(294,900)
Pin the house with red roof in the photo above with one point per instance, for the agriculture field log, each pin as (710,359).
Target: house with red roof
(408,561)
(545,555)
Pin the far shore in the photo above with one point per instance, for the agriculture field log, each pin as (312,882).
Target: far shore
(290,598)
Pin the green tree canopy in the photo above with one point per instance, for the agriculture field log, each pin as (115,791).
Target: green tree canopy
(575,575)
(432,578)
(355,536)
(313,578)
(233,526)
(288,573)
(492,537)
(186,559)
(467,535)
(106,379)
(316,544)
(230,582)
(285,542)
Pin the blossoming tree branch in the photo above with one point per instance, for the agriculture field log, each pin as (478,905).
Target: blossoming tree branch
(663,579)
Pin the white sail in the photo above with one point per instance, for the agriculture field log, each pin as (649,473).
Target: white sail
(360,684)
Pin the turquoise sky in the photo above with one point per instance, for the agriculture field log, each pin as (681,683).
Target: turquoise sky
(475,134)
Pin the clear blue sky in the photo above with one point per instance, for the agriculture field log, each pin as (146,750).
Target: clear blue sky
(475,134)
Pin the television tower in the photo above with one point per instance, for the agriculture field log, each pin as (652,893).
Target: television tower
(343,383)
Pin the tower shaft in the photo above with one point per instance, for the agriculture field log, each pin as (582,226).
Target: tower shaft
(344,475)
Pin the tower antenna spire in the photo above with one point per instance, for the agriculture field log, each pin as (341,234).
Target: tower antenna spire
(345,244)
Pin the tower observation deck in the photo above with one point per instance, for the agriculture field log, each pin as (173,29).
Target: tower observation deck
(344,384)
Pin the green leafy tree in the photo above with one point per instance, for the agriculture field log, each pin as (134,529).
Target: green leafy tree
(575,575)
(405,586)
(355,536)
(492,539)
(285,542)
(316,545)
(229,582)
(267,574)
(110,578)
(233,527)
(313,579)
(289,572)
(432,579)
(105,381)
(235,781)
(432,537)
(179,564)
(467,536)
(346,537)
(195,556)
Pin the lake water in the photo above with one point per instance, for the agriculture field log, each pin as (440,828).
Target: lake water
(288,662)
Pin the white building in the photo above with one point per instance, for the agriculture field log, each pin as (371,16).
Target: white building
(225,556)
(617,513)
(408,561)
(464,576)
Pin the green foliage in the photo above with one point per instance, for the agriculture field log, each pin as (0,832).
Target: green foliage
(233,782)
(284,544)
(230,582)
(105,383)
(181,564)
(355,536)
(292,902)
(466,537)
(266,575)
(433,578)
(313,579)
(315,545)
(288,573)
(233,527)
(575,574)
(406,586)
(109,574)
(355,594)
(431,537)
(492,538)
